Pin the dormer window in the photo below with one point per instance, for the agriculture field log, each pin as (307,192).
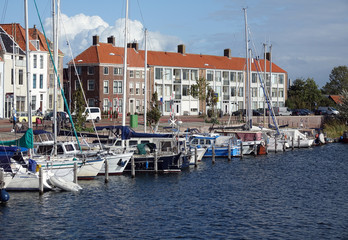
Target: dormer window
(36,44)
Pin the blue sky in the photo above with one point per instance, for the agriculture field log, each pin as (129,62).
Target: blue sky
(309,38)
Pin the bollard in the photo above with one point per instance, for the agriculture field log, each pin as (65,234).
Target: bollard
(40,181)
(196,156)
(133,166)
(298,139)
(241,149)
(75,172)
(106,163)
(229,150)
(155,164)
(292,144)
(2,178)
(275,145)
(213,157)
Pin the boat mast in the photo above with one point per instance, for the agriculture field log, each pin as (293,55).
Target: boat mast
(30,123)
(125,72)
(247,97)
(145,83)
(14,58)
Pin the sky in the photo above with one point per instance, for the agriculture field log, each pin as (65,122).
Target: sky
(308,38)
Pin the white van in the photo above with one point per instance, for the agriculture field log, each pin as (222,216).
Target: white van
(282,111)
(328,110)
(92,113)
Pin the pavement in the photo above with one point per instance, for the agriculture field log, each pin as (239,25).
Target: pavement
(312,121)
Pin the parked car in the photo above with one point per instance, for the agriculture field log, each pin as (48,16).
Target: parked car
(329,110)
(60,115)
(23,117)
(92,113)
(300,112)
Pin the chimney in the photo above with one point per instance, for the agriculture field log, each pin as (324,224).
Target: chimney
(181,49)
(133,45)
(111,40)
(35,35)
(95,40)
(227,53)
(268,56)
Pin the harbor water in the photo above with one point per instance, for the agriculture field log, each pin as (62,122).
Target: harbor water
(300,194)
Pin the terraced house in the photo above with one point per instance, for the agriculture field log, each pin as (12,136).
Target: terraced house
(171,74)
(14,85)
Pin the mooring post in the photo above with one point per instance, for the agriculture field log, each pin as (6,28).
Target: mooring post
(241,149)
(155,165)
(275,144)
(292,143)
(75,172)
(255,149)
(229,150)
(213,158)
(106,163)
(41,181)
(298,139)
(133,166)
(196,156)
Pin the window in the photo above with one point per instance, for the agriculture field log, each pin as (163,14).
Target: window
(106,87)
(233,76)
(218,76)
(240,77)
(137,105)
(281,91)
(117,71)
(50,101)
(185,90)
(120,105)
(158,73)
(137,88)
(143,88)
(131,74)
(274,92)
(240,92)
(254,78)
(33,102)
(41,62)
(78,70)
(194,75)
(34,81)
(254,92)
(117,87)
(233,91)
(106,70)
(225,75)
(177,74)
(77,84)
(20,77)
(131,88)
(91,102)
(90,85)
(281,79)
(167,74)
(35,61)
(41,81)
(52,80)
(137,74)
(159,89)
(186,74)
(210,75)
(90,70)
(105,104)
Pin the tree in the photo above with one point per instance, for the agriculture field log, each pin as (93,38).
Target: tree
(199,90)
(338,81)
(78,108)
(154,114)
(304,94)
(211,100)
(343,107)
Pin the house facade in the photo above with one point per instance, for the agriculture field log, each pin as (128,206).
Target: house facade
(12,40)
(171,75)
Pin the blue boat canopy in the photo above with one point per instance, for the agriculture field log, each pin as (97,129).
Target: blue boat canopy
(125,132)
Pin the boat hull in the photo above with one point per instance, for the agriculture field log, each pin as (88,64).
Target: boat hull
(116,163)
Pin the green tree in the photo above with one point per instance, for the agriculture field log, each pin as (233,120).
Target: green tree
(154,114)
(304,94)
(199,90)
(338,81)
(343,107)
(78,108)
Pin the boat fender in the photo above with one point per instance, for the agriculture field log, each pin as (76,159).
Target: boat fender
(4,197)
(147,164)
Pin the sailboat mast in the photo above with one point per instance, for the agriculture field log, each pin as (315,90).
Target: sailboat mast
(125,70)
(14,58)
(30,123)
(55,54)
(247,97)
(145,83)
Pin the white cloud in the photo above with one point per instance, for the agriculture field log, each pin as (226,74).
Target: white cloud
(80,29)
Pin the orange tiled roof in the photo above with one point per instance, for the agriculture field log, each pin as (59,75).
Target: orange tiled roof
(336,98)
(100,53)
